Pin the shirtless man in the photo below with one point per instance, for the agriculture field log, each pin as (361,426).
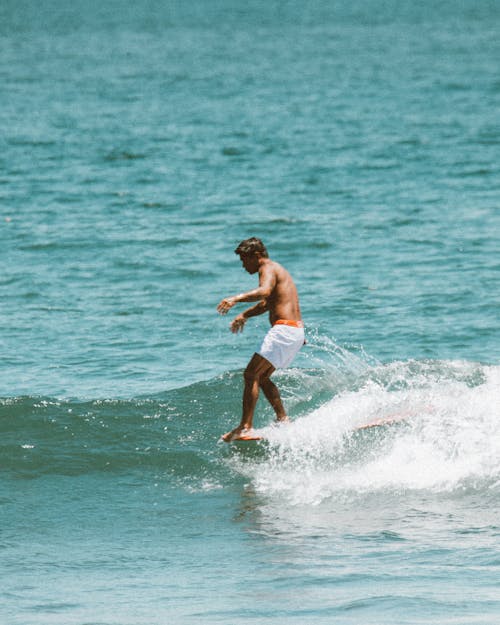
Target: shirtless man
(277,295)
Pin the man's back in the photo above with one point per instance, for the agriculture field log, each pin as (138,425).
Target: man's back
(283,303)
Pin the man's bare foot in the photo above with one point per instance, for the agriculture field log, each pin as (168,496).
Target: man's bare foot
(235,434)
(284,419)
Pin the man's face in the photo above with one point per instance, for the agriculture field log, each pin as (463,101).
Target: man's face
(250,262)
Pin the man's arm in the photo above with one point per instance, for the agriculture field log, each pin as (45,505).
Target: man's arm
(239,321)
(267,282)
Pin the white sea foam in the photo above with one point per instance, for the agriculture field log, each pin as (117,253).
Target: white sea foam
(449,439)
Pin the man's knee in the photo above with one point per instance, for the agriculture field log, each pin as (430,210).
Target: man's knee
(251,375)
(258,369)
(265,382)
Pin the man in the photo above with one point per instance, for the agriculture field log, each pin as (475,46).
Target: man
(277,295)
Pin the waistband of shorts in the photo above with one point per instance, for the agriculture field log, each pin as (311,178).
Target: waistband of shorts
(289,322)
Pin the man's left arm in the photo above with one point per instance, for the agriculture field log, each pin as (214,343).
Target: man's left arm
(267,281)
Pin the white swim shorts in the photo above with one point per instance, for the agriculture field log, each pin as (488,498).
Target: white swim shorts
(282,343)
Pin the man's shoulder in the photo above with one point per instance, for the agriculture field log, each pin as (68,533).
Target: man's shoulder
(281,270)
(273,267)
(269,265)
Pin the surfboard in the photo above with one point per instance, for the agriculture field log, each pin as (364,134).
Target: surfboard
(248,437)
(381,422)
(256,435)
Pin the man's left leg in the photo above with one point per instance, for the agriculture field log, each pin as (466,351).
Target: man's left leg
(272,394)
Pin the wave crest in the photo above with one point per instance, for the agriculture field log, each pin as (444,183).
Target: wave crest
(441,436)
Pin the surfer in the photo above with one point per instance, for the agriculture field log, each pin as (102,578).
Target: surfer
(277,295)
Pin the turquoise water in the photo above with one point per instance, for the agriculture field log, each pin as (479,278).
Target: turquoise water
(140,143)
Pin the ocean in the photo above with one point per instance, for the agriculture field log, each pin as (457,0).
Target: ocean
(140,143)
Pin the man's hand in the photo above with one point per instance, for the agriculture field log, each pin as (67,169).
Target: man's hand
(237,324)
(226,304)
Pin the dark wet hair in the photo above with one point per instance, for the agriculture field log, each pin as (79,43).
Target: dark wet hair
(251,246)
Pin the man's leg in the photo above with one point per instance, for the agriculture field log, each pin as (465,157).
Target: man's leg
(257,368)
(272,394)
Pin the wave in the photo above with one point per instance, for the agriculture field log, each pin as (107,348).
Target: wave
(445,439)
(440,436)
(43,436)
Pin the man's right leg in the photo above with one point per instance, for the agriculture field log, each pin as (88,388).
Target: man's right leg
(258,369)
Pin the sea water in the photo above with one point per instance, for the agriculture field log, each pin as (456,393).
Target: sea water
(140,143)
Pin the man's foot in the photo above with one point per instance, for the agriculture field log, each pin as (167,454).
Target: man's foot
(235,434)
(284,419)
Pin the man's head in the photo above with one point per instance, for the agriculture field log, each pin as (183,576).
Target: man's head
(250,247)
(250,250)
